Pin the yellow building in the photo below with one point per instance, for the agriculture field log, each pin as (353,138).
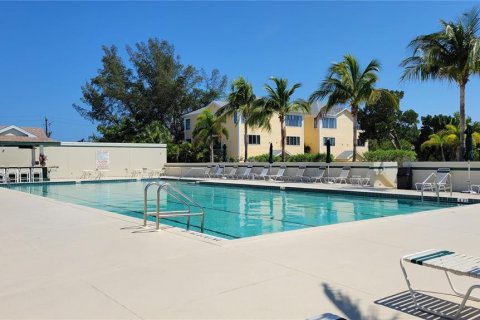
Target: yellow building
(302,131)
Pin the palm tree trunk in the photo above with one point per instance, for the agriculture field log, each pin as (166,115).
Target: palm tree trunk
(354,115)
(443,153)
(211,149)
(461,149)
(283,133)
(245,141)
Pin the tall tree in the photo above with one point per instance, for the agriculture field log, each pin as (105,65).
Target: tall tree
(242,100)
(208,128)
(347,83)
(279,102)
(445,137)
(386,126)
(154,86)
(450,54)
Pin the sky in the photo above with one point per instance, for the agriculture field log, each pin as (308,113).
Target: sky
(50,49)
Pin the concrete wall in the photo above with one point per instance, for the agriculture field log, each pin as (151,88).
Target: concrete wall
(72,158)
(381,174)
(459,171)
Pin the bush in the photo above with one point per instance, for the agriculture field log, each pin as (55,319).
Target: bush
(390,155)
(264,158)
(307,157)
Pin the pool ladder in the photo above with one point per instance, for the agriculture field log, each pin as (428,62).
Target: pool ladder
(179,196)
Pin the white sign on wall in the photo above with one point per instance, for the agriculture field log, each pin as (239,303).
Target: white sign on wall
(102,160)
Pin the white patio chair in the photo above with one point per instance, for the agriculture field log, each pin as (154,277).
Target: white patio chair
(279,175)
(298,175)
(3,175)
(343,176)
(37,174)
(218,173)
(231,174)
(262,175)
(24,174)
(441,180)
(13,175)
(450,263)
(245,174)
(319,176)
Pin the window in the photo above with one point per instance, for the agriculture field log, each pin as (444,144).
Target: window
(235,117)
(253,139)
(293,141)
(332,141)
(187,124)
(293,120)
(360,143)
(329,123)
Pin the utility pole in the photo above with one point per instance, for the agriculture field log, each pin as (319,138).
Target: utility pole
(48,125)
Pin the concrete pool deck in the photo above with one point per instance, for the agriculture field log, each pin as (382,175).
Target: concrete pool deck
(60,260)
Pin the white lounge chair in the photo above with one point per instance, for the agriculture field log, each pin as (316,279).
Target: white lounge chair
(319,176)
(343,176)
(208,171)
(441,180)
(231,174)
(219,172)
(451,263)
(245,174)
(3,175)
(298,175)
(278,175)
(262,175)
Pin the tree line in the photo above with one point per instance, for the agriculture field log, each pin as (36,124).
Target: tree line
(144,102)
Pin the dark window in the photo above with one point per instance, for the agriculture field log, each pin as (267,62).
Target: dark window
(293,120)
(235,117)
(329,123)
(293,141)
(187,124)
(332,141)
(253,139)
(360,143)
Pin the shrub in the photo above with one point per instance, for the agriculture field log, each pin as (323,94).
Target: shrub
(390,155)
(307,157)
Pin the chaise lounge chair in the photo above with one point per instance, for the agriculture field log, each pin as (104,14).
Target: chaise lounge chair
(319,176)
(262,175)
(299,174)
(451,263)
(342,177)
(219,172)
(246,173)
(441,180)
(231,174)
(278,175)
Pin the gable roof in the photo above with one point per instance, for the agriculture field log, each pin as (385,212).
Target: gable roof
(24,136)
(334,111)
(216,103)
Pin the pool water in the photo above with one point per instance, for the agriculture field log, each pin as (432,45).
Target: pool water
(235,212)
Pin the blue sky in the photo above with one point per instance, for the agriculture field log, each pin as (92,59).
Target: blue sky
(50,49)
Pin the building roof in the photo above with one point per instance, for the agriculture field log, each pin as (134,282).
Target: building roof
(334,111)
(216,103)
(347,156)
(24,136)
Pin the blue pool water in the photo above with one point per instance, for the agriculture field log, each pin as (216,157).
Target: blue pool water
(235,212)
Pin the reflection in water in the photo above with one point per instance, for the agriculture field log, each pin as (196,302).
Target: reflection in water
(232,212)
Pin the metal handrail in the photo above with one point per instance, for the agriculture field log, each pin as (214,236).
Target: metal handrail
(180,213)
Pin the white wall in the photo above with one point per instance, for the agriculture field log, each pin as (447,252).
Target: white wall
(72,158)
(381,174)
(459,171)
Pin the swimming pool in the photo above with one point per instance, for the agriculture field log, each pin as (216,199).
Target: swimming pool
(235,212)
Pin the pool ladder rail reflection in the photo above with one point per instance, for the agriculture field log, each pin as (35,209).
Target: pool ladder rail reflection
(187,201)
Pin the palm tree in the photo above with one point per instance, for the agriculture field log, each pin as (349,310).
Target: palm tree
(450,54)
(243,101)
(347,83)
(278,102)
(448,136)
(208,128)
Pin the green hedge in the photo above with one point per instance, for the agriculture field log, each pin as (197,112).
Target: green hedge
(390,155)
(306,157)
